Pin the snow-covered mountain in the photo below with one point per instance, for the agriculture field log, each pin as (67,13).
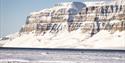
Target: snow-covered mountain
(73,25)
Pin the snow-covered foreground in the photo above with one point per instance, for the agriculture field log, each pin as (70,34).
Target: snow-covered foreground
(46,55)
(65,39)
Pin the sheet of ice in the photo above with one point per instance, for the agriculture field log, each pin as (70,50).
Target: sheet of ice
(18,60)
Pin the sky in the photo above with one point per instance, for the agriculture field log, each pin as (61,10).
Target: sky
(13,13)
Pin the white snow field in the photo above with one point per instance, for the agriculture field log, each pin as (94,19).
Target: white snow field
(52,55)
(75,39)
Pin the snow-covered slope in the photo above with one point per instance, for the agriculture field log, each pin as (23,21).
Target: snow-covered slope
(75,39)
(70,25)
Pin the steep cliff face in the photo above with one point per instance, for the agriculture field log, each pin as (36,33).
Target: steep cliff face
(77,15)
(52,18)
(74,25)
